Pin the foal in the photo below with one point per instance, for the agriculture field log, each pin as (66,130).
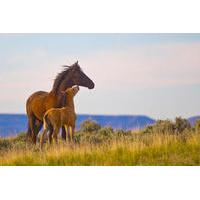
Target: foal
(55,118)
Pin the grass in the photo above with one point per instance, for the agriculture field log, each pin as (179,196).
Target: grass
(125,150)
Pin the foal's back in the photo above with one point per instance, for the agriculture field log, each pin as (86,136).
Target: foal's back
(61,116)
(68,116)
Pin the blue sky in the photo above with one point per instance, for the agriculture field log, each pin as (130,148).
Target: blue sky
(150,74)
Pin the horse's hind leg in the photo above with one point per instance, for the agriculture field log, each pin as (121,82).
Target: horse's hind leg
(30,133)
(64,133)
(37,128)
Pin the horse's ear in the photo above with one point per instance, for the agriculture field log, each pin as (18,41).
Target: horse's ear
(76,62)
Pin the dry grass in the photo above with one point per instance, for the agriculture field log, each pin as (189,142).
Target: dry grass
(137,149)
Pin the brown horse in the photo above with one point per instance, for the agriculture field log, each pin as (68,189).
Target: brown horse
(55,118)
(39,102)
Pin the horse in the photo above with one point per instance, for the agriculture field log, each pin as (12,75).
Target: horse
(55,118)
(39,102)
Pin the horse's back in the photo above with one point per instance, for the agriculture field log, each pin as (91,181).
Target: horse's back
(36,104)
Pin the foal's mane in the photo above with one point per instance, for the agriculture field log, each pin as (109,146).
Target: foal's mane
(63,75)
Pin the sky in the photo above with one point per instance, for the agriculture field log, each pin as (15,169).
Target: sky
(135,74)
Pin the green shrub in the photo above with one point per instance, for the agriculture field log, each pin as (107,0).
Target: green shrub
(106,131)
(161,126)
(164,126)
(89,126)
(5,144)
(197,126)
(148,129)
(121,132)
(181,125)
(21,137)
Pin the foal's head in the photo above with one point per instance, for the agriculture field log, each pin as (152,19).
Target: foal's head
(71,92)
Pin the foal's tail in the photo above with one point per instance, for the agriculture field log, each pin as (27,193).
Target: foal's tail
(45,118)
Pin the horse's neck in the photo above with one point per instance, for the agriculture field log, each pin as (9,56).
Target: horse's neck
(70,102)
(63,86)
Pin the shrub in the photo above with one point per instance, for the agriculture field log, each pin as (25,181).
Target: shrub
(197,126)
(148,129)
(89,126)
(164,126)
(21,137)
(106,131)
(161,126)
(5,144)
(181,125)
(122,133)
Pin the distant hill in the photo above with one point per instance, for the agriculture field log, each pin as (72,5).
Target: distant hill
(11,124)
(192,120)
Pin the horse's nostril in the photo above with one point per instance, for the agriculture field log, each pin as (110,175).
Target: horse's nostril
(91,86)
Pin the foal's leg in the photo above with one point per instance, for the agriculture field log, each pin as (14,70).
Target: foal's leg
(42,137)
(67,130)
(73,128)
(55,135)
(50,136)
(69,134)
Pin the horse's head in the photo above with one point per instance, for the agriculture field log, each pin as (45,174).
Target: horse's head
(78,77)
(70,76)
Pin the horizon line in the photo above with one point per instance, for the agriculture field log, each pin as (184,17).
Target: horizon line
(141,115)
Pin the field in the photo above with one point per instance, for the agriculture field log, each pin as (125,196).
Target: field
(103,146)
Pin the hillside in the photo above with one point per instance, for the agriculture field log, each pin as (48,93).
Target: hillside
(11,124)
(192,120)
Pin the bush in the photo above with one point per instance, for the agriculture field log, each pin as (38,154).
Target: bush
(166,126)
(90,126)
(161,126)
(106,131)
(21,137)
(181,125)
(148,129)
(197,126)
(5,144)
